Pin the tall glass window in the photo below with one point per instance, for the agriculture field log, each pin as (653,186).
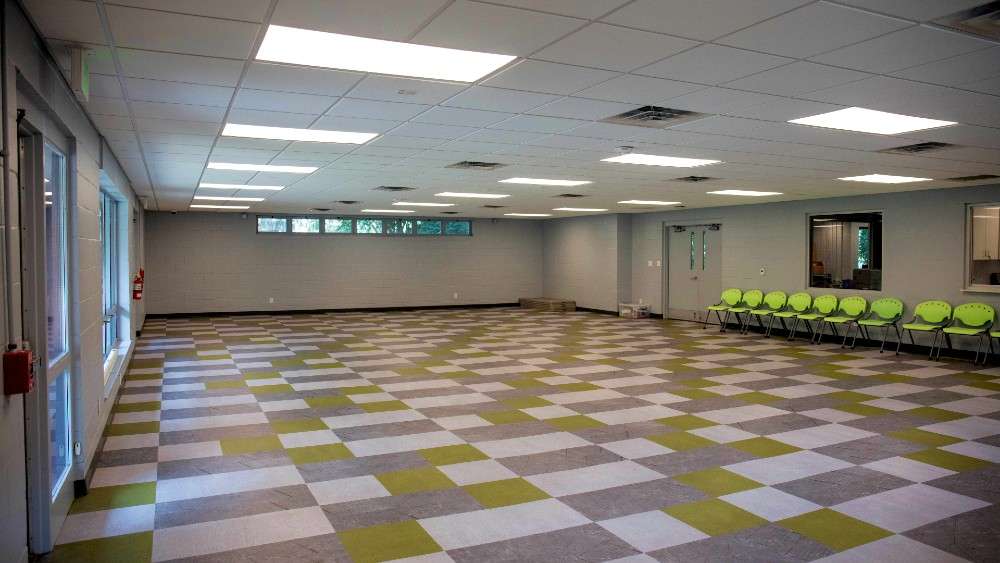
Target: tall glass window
(109,279)
(56,290)
(60,439)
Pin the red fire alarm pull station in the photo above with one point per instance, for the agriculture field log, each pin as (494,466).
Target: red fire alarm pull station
(18,372)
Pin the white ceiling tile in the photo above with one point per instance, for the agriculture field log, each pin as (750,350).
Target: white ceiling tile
(920,10)
(988,86)
(704,19)
(180,68)
(784,109)
(797,78)
(176,126)
(248,143)
(903,49)
(392,140)
(498,99)
(97,105)
(246,10)
(614,48)
(432,131)
(461,116)
(599,130)
(407,90)
(350,107)
(184,112)
(502,136)
(71,20)
(381,19)
(813,29)
(271,118)
(554,78)
(788,132)
(586,9)
(105,86)
(720,100)
(713,64)
(113,122)
(303,80)
(178,33)
(341,123)
(538,124)
(270,100)
(178,92)
(494,29)
(582,108)
(638,89)
(965,69)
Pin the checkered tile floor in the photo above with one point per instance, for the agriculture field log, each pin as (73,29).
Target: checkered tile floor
(506,435)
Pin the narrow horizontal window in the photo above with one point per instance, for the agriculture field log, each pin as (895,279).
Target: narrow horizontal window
(272,225)
(459,228)
(398,226)
(428,227)
(369,226)
(340,226)
(305,225)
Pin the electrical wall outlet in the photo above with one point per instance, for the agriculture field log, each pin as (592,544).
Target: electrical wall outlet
(454,295)
(763,270)
(270,299)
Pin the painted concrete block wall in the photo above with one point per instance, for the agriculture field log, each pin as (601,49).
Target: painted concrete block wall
(200,262)
(581,260)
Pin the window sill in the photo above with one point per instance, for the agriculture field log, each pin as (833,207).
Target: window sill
(981,289)
(115,365)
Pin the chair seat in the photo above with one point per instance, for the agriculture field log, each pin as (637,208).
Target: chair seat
(995,334)
(761,312)
(874,322)
(921,327)
(785,314)
(810,316)
(961,330)
(840,320)
(739,309)
(717,307)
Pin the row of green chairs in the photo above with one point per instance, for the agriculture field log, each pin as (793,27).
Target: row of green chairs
(854,312)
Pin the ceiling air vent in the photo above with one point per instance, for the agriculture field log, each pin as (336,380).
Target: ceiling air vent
(394,189)
(476,165)
(449,213)
(983,20)
(319,209)
(693,179)
(494,206)
(348,201)
(570,195)
(655,117)
(975,178)
(919,148)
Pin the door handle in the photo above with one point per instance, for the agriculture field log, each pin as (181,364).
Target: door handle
(694,277)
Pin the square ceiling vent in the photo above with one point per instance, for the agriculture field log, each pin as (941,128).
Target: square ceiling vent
(476,165)
(394,189)
(655,117)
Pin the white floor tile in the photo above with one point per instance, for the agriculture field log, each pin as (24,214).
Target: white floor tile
(636,448)
(346,490)
(637,414)
(549,411)
(908,507)
(371,418)
(309,438)
(663,398)
(787,467)
(127,442)
(737,378)
(630,381)
(107,523)
(203,402)
(473,472)
(893,549)
(970,428)
(417,385)
(192,450)
(528,445)
(462,421)
(976,450)
(820,436)
(892,389)
(906,468)
(649,531)
(722,434)
(447,400)
(123,475)
(770,504)
(830,415)
(741,414)
(132,417)
(218,421)
(592,478)
(972,406)
(283,405)
(582,396)
(213,484)
(799,391)
(466,529)
(407,443)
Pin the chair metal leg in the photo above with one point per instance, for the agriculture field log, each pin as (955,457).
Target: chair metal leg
(847,333)
(899,338)
(770,325)
(885,334)
(791,333)
(979,346)
(725,323)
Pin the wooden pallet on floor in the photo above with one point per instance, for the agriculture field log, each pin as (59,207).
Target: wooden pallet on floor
(547,304)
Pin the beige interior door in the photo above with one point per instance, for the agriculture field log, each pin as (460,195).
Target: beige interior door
(694,270)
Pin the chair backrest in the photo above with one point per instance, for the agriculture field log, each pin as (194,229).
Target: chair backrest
(825,304)
(800,302)
(753,298)
(974,315)
(887,308)
(853,306)
(775,300)
(933,312)
(732,296)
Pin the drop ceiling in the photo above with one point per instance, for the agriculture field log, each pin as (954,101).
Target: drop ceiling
(166,76)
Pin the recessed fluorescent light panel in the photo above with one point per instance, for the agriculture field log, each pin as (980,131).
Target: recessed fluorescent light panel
(422,204)
(528,214)
(580,209)
(293,134)
(220,198)
(239,187)
(884,179)
(545,182)
(387,211)
(201,206)
(748,193)
(261,167)
(657,160)
(648,202)
(333,50)
(871,121)
(472,195)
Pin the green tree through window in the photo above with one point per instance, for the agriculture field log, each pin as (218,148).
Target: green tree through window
(864,247)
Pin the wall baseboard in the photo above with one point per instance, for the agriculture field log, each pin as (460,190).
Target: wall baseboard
(598,311)
(320,311)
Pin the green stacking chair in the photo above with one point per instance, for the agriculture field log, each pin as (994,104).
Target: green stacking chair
(797,304)
(730,298)
(994,334)
(849,312)
(883,313)
(821,307)
(774,301)
(929,316)
(972,319)
(750,301)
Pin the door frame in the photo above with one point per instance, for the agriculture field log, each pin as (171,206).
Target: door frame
(667,229)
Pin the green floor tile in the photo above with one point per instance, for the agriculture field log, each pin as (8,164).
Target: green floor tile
(923,437)
(686,422)
(988,385)
(680,441)
(763,447)
(267,389)
(383,406)
(862,410)
(142,376)
(386,542)
(525,402)
(225,384)
(361,390)
(695,394)
(118,496)
(937,415)
(575,422)
(133,428)
(714,517)
(717,481)
(447,455)
(132,548)
(524,383)
(137,407)
(298,425)
(261,375)
(286,363)
(698,383)
(579,386)
(947,460)
(255,444)
(833,529)
(849,397)
(417,480)
(317,454)
(506,417)
(328,401)
(756,397)
(505,493)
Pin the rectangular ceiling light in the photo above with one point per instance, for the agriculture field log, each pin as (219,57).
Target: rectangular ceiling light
(239,187)
(422,204)
(871,121)
(884,179)
(472,195)
(648,202)
(261,167)
(528,214)
(332,50)
(202,206)
(581,209)
(545,182)
(221,198)
(748,193)
(293,134)
(657,160)
(387,211)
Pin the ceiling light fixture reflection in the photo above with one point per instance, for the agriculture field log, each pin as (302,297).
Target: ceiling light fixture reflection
(528,214)
(884,179)
(580,209)
(871,121)
(423,204)
(261,167)
(387,211)
(658,160)
(239,187)
(648,202)
(471,195)
(202,206)
(221,198)
(294,134)
(747,193)
(545,182)
(333,50)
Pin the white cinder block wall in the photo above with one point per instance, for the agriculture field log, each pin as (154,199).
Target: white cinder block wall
(581,260)
(214,262)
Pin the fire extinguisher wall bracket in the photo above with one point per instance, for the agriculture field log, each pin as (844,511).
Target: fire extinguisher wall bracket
(137,284)
(18,372)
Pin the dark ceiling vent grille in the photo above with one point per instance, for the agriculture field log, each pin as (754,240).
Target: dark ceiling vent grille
(394,189)
(348,201)
(694,179)
(319,209)
(476,165)
(449,213)
(655,117)
(570,195)
(919,148)
(488,206)
(983,20)
(974,178)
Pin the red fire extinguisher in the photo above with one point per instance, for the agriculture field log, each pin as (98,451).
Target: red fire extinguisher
(137,284)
